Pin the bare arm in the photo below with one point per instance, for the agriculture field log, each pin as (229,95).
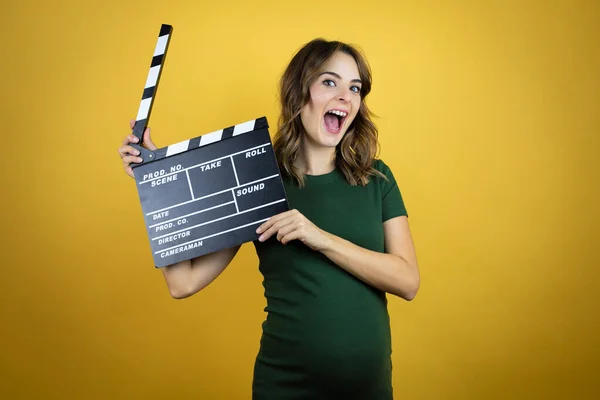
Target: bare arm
(394,271)
(189,277)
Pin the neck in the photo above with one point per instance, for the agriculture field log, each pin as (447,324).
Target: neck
(315,160)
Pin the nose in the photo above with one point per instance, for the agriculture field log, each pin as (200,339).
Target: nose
(344,94)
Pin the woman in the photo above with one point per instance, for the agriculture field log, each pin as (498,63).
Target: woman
(329,262)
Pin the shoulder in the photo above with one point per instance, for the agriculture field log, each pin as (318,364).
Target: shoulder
(380,166)
(393,202)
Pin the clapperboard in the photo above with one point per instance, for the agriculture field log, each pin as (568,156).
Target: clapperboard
(207,193)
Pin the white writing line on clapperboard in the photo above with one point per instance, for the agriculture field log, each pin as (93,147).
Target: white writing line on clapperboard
(237,181)
(153,178)
(213,220)
(212,194)
(237,209)
(167,252)
(190,214)
(190,183)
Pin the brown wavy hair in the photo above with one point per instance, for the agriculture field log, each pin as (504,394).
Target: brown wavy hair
(355,153)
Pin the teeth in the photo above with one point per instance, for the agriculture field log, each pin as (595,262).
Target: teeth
(337,112)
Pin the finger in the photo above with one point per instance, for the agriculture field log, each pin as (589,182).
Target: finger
(294,235)
(267,234)
(131,159)
(129,171)
(281,232)
(128,150)
(130,139)
(274,219)
(275,228)
(266,225)
(278,225)
(148,140)
(131,123)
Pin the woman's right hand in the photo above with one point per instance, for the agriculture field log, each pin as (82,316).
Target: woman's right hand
(130,155)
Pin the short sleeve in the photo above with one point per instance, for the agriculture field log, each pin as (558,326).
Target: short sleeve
(392,204)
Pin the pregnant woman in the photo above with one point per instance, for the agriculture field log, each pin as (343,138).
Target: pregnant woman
(329,262)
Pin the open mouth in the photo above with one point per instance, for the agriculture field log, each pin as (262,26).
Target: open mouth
(334,120)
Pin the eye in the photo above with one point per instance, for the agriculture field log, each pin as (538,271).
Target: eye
(355,89)
(329,82)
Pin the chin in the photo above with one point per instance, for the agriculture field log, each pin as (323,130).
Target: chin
(328,140)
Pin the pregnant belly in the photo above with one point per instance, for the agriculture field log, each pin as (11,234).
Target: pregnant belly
(335,354)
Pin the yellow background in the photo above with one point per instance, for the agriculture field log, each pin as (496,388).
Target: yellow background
(489,118)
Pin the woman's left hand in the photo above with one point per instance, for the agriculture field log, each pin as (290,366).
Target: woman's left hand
(292,225)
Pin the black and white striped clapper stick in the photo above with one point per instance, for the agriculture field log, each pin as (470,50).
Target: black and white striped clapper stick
(210,192)
(151,87)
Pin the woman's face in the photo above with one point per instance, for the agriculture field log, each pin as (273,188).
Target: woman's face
(334,101)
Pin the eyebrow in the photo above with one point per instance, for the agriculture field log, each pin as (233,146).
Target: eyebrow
(338,76)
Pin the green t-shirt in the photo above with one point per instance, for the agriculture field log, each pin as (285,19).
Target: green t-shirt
(327,333)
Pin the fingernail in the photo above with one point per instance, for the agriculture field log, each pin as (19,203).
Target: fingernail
(139,159)
(137,153)
(258,230)
(261,238)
